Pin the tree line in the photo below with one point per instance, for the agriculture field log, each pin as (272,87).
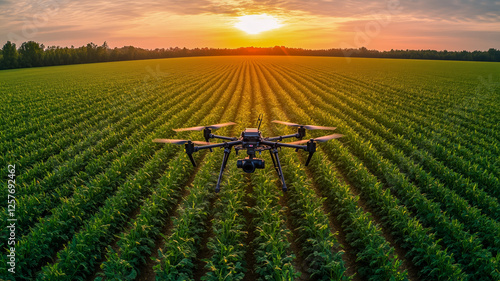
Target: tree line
(33,54)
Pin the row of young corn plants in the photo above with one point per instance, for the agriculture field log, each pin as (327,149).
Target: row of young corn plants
(50,140)
(374,253)
(81,136)
(114,214)
(430,105)
(78,258)
(36,205)
(476,261)
(424,251)
(328,84)
(433,128)
(37,246)
(274,257)
(226,244)
(488,204)
(151,110)
(417,136)
(136,245)
(273,254)
(227,248)
(321,248)
(63,166)
(177,259)
(65,114)
(478,196)
(475,222)
(139,241)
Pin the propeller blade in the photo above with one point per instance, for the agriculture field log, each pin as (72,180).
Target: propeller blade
(286,123)
(327,138)
(217,126)
(314,127)
(308,127)
(180,141)
(320,139)
(200,128)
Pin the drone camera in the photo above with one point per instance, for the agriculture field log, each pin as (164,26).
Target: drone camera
(249,165)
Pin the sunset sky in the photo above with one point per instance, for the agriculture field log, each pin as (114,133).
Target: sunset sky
(314,24)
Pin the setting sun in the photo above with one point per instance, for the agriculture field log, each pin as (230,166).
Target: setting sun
(255,24)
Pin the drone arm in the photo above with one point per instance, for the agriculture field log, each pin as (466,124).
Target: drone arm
(222,144)
(280,144)
(222,137)
(279,138)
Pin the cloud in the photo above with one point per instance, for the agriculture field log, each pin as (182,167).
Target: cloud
(96,20)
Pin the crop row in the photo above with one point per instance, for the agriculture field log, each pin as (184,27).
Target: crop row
(113,215)
(431,106)
(432,259)
(182,245)
(431,126)
(486,179)
(226,245)
(324,262)
(375,254)
(473,193)
(380,103)
(123,264)
(177,259)
(477,262)
(85,201)
(478,197)
(36,205)
(274,260)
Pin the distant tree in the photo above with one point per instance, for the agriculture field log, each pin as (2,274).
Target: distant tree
(9,56)
(31,54)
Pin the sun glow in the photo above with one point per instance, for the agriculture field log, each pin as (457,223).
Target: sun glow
(255,24)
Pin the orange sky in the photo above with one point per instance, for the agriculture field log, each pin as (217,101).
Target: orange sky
(313,24)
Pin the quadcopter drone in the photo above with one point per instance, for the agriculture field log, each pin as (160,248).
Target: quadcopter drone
(252,141)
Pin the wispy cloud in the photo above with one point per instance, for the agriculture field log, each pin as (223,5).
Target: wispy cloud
(177,22)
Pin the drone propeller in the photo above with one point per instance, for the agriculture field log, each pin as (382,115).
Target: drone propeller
(180,141)
(320,139)
(309,127)
(200,128)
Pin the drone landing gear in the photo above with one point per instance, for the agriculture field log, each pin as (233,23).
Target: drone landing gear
(277,166)
(227,150)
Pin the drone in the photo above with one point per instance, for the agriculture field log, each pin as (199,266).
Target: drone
(252,141)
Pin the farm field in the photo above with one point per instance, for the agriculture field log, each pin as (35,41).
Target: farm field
(411,192)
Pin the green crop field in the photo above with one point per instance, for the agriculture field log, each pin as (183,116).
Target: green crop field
(411,192)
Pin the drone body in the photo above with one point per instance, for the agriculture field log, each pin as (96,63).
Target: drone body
(252,141)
